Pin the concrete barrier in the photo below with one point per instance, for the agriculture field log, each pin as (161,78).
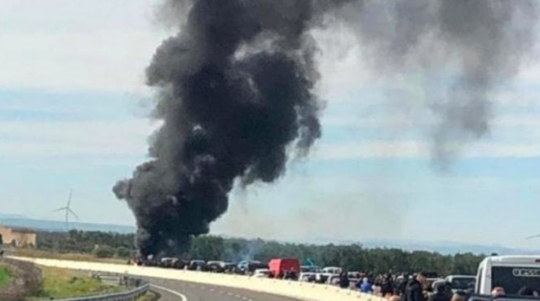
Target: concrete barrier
(294,289)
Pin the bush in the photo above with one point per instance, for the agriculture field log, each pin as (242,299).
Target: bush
(123,252)
(104,252)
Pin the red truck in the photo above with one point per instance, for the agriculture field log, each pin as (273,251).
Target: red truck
(281,267)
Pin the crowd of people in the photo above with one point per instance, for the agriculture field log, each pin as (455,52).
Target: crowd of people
(418,288)
(403,288)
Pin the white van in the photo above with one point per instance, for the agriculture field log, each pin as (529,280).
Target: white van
(509,272)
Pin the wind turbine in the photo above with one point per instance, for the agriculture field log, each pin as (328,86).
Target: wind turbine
(68,210)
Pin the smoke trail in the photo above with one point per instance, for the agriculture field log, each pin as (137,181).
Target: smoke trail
(236,88)
(468,46)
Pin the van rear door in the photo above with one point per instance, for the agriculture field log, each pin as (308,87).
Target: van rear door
(512,279)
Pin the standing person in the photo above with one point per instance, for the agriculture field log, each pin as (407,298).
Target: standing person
(366,287)
(415,288)
(344,281)
(387,286)
(402,286)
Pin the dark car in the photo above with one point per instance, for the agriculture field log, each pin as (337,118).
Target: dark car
(197,265)
(215,266)
(249,266)
(180,264)
(167,262)
(230,268)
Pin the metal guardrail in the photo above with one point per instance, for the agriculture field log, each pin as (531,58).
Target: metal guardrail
(141,288)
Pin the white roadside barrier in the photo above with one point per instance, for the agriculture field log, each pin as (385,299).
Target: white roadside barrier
(294,289)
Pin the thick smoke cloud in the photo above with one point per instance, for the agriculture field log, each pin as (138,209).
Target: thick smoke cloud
(236,88)
(236,91)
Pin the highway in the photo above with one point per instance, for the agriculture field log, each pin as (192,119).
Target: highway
(174,290)
(196,286)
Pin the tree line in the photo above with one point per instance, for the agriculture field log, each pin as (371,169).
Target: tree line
(353,257)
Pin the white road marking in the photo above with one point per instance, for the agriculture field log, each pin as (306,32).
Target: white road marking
(244,298)
(230,294)
(212,289)
(184,298)
(237,296)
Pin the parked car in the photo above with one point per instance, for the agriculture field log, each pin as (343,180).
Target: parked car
(167,262)
(333,279)
(197,265)
(332,270)
(261,273)
(249,266)
(180,264)
(461,282)
(230,268)
(215,266)
(307,277)
(322,277)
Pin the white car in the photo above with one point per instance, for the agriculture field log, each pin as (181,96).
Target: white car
(333,279)
(332,270)
(261,273)
(307,277)
(322,277)
(460,282)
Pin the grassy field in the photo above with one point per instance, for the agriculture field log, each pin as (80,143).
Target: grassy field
(74,257)
(62,283)
(5,276)
(150,296)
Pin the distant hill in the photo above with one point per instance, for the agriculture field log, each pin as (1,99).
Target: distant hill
(57,226)
(447,247)
(442,247)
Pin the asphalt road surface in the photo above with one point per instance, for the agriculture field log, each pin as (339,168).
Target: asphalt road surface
(172,290)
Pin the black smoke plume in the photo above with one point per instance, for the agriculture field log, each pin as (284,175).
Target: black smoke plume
(461,49)
(236,91)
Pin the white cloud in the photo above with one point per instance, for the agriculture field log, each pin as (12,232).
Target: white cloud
(530,70)
(66,45)
(74,138)
(373,149)
(71,62)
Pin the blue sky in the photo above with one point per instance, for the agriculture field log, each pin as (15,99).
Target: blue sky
(73,110)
